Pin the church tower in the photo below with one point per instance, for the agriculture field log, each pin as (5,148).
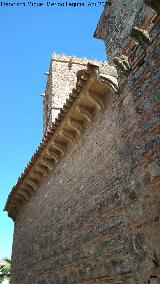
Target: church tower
(61,80)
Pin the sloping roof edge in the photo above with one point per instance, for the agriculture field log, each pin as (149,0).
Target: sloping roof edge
(86,99)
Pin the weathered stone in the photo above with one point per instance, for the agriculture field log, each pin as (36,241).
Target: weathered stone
(122,64)
(116,23)
(95,218)
(141,36)
(154,4)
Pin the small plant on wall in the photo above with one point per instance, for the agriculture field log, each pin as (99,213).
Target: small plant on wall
(5,268)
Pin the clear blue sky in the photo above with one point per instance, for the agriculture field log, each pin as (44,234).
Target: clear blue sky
(29,35)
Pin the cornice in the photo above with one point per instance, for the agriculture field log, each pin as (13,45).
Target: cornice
(95,85)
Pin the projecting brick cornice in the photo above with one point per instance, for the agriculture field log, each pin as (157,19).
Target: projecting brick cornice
(95,87)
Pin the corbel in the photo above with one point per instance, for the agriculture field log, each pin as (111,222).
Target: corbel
(110,81)
(85,112)
(52,154)
(141,36)
(24,194)
(13,209)
(59,147)
(21,198)
(95,99)
(34,180)
(36,176)
(122,64)
(47,163)
(42,168)
(92,68)
(75,125)
(28,189)
(67,135)
(31,184)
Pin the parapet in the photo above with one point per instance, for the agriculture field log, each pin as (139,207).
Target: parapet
(73,59)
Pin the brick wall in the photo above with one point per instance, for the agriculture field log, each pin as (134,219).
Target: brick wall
(117,21)
(96,217)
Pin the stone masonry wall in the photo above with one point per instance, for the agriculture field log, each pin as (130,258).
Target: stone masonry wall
(96,218)
(61,80)
(117,21)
